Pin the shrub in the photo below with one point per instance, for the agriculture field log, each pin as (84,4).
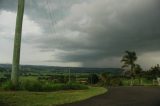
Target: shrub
(105,79)
(75,86)
(68,86)
(2,80)
(116,82)
(31,85)
(9,86)
(93,79)
(42,86)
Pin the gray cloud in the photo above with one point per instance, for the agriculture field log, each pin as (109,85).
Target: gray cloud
(95,32)
(111,28)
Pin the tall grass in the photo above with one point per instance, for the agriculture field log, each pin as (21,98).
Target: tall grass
(41,86)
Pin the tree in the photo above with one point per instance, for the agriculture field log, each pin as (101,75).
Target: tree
(155,71)
(138,72)
(17,42)
(105,78)
(137,69)
(128,61)
(93,79)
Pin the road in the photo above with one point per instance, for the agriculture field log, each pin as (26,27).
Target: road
(124,96)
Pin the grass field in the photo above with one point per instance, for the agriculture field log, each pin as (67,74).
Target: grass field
(23,98)
(140,82)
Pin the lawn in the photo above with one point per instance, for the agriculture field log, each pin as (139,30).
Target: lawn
(143,81)
(24,98)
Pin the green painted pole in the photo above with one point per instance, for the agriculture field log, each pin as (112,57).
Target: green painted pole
(17,42)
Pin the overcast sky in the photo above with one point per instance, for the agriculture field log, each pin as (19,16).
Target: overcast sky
(82,33)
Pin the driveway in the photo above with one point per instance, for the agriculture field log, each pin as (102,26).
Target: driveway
(124,96)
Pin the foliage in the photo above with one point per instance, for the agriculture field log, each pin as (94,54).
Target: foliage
(128,60)
(32,86)
(155,71)
(137,69)
(93,79)
(57,78)
(116,82)
(105,79)
(3,79)
(39,86)
(8,85)
(2,69)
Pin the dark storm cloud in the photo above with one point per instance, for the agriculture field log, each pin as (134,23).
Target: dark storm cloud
(40,9)
(95,32)
(8,5)
(114,26)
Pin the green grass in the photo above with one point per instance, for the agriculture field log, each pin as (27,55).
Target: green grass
(21,98)
(31,78)
(145,82)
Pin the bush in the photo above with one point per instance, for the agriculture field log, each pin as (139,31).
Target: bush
(93,79)
(75,86)
(31,85)
(116,82)
(2,80)
(9,86)
(39,86)
(105,79)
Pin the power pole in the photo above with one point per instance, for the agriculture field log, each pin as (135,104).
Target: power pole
(17,42)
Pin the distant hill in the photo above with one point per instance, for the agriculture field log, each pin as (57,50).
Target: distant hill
(55,69)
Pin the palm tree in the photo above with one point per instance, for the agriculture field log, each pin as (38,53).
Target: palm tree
(17,42)
(128,61)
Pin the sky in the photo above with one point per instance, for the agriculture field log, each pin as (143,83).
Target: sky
(82,33)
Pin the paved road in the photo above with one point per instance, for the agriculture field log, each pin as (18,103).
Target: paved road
(125,96)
